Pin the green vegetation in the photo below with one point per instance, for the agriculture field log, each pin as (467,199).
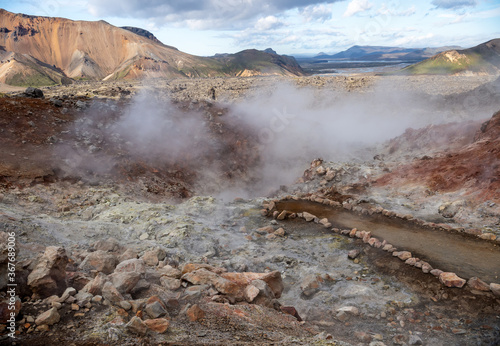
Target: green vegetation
(443,65)
(33,80)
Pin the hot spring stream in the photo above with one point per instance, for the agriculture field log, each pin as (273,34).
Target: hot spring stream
(459,253)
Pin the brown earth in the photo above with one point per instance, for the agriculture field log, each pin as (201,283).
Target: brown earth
(37,138)
(472,164)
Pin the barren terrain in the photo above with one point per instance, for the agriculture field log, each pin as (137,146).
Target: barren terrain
(199,212)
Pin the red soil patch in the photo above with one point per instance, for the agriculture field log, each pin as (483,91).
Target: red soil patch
(474,167)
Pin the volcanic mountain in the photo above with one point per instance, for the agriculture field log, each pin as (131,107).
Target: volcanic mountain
(483,59)
(43,50)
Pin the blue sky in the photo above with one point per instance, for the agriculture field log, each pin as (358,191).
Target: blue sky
(288,26)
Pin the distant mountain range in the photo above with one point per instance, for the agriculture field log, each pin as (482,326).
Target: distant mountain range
(36,51)
(381,53)
(481,59)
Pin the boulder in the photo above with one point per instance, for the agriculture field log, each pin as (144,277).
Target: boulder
(477,284)
(449,210)
(49,276)
(95,286)
(107,245)
(136,326)
(353,253)
(451,280)
(195,313)
(48,317)
(352,310)
(402,255)
(156,309)
(251,292)
(310,285)
(272,279)
(308,216)
(170,271)
(171,284)
(125,281)
(282,215)
(99,260)
(33,93)
(200,276)
(131,265)
(128,254)
(158,325)
(70,291)
(495,288)
(111,294)
(264,289)
(83,298)
(152,257)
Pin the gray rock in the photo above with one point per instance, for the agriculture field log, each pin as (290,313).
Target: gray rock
(352,310)
(309,285)
(171,284)
(111,294)
(125,281)
(155,310)
(56,102)
(126,305)
(264,289)
(308,216)
(70,291)
(136,326)
(353,253)
(495,288)
(131,265)
(415,340)
(49,317)
(33,92)
(82,298)
(449,210)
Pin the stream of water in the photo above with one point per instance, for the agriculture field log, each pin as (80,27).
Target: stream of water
(459,253)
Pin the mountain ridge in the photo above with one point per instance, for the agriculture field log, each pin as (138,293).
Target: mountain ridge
(374,53)
(98,50)
(483,59)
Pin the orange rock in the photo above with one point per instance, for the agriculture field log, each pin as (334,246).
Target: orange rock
(451,280)
(195,313)
(159,325)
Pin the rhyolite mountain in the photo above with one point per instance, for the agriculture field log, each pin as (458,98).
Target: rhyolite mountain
(38,50)
(481,59)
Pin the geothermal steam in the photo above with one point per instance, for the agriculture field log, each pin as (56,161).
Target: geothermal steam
(289,127)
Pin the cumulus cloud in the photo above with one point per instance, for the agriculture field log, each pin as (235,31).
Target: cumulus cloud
(317,13)
(210,14)
(357,6)
(453,4)
(268,23)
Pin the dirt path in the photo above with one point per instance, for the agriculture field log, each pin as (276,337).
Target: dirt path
(453,252)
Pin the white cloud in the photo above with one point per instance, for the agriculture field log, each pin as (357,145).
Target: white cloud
(268,23)
(357,6)
(209,14)
(318,13)
(454,4)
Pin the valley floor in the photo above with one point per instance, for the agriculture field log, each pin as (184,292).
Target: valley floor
(97,205)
